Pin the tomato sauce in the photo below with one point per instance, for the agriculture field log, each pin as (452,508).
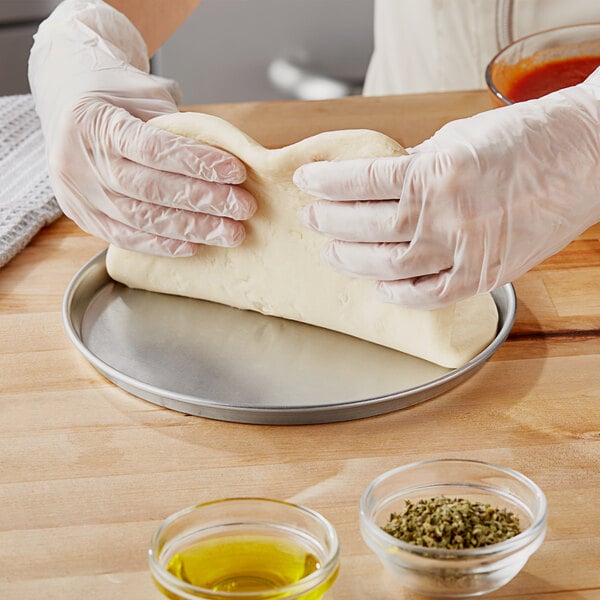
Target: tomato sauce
(550,76)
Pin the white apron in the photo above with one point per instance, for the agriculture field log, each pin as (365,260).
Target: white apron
(443,45)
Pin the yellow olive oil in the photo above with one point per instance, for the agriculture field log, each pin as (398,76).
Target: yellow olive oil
(244,563)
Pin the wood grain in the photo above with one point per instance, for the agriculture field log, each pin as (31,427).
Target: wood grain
(88,471)
(409,119)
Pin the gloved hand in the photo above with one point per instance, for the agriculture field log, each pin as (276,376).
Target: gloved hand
(118,178)
(472,208)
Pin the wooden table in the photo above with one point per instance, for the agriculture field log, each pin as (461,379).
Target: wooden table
(88,471)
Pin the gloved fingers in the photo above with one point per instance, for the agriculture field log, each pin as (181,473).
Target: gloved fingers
(178,191)
(384,261)
(129,238)
(174,223)
(164,150)
(428,145)
(141,143)
(360,179)
(365,221)
(139,241)
(426,293)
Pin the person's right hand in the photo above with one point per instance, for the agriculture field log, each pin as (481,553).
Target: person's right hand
(117,177)
(472,208)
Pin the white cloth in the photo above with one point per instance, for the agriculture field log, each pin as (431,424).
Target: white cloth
(443,45)
(26,199)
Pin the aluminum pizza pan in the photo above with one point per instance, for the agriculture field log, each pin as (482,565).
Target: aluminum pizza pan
(219,362)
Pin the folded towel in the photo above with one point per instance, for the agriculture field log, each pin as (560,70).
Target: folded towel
(27,202)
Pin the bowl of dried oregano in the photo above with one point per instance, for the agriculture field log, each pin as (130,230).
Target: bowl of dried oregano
(453,528)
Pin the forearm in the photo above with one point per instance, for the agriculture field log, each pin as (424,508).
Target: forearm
(156,20)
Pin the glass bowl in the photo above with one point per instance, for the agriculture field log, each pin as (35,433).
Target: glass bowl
(244,549)
(531,52)
(453,573)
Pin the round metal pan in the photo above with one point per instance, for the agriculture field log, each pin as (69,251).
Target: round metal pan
(219,362)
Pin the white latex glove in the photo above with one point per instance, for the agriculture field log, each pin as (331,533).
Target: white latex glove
(118,178)
(472,208)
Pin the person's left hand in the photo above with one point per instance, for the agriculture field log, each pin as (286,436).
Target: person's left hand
(472,208)
(116,175)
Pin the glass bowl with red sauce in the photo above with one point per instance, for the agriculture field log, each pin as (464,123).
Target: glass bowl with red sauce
(543,62)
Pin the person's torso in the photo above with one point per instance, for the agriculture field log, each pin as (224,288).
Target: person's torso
(442,45)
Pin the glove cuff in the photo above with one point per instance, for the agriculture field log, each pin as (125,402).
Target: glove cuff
(84,46)
(101,22)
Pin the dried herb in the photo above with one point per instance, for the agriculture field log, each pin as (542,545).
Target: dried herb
(455,524)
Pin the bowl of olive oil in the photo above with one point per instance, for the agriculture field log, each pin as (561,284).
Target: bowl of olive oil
(244,549)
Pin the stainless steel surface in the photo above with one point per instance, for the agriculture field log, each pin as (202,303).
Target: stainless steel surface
(19,20)
(15,44)
(223,51)
(17,11)
(219,362)
(300,83)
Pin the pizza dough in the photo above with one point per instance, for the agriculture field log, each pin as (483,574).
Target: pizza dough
(277,270)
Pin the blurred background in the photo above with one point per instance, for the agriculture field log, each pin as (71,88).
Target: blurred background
(233,50)
(19,19)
